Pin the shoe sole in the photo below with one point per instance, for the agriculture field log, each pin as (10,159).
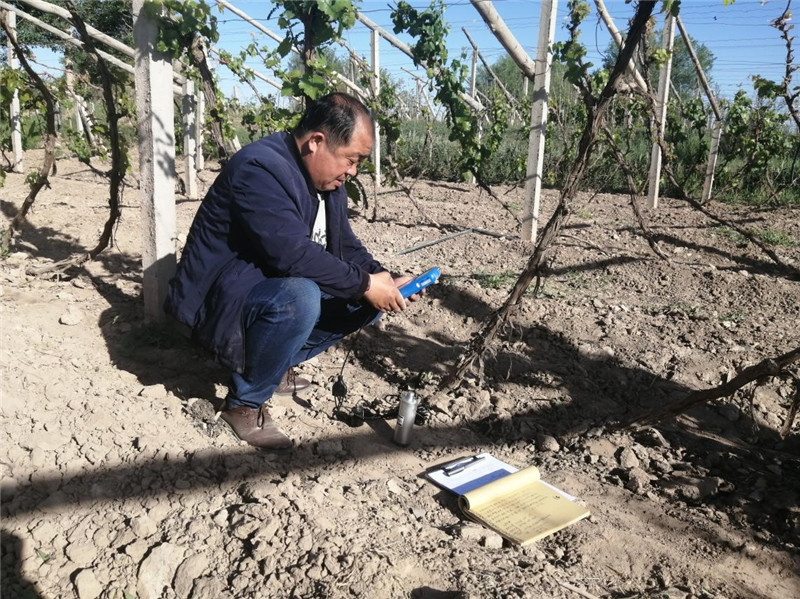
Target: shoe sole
(293,393)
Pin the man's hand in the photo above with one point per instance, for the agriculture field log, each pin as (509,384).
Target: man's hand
(383,293)
(400,281)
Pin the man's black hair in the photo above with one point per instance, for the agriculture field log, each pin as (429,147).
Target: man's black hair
(335,115)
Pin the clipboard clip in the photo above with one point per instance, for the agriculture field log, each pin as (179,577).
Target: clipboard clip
(460,465)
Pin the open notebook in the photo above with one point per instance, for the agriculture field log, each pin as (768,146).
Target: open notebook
(515,503)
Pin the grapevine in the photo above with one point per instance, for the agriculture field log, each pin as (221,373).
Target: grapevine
(430,30)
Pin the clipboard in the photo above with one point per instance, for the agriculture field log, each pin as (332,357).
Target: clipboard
(516,503)
(464,474)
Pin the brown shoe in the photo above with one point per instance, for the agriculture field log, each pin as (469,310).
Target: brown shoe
(291,383)
(255,426)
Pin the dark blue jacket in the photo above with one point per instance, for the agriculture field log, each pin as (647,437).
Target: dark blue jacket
(255,222)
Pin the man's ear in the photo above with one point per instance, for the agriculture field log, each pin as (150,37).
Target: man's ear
(315,141)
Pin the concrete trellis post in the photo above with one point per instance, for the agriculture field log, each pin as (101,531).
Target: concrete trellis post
(536,142)
(156,133)
(661,109)
(189,139)
(473,79)
(375,39)
(716,131)
(15,121)
(199,121)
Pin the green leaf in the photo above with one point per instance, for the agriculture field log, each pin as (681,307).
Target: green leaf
(285,46)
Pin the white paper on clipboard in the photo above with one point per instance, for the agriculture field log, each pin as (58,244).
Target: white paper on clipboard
(478,470)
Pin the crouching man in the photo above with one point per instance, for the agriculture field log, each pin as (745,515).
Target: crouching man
(272,273)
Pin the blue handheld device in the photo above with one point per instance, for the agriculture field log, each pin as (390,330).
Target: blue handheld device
(421,282)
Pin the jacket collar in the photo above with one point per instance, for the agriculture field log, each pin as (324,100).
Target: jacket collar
(291,145)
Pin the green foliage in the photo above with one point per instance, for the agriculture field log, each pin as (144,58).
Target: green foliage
(494,281)
(767,89)
(430,29)
(571,52)
(77,144)
(773,237)
(180,22)
(755,134)
(768,236)
(311,28)
(322,21)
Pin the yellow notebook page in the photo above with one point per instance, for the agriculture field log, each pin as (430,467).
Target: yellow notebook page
(521,507)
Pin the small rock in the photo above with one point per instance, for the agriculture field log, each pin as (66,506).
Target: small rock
(190,570)
(158,391)
(209,588)
(82,554)
(710,486)
(71,317)
(730,412)
(627,458)
(471,532)
(38,457)
(492,540)
(17,257)
(547,443)
(157,570)
(638,480)
(674,593)
(394,487)
(86,585)
(601,447)
(136,550)
(142,526)
(653,438)
(221,518)
(440,402)
(45,440)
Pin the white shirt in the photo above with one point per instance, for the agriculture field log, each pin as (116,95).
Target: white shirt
(319,233)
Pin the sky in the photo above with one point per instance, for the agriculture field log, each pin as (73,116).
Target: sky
(739,36)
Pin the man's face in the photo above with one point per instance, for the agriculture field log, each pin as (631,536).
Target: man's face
(331,167)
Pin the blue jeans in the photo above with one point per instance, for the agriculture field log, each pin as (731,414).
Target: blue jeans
(287,321)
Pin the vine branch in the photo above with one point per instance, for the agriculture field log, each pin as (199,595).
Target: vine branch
(49,144)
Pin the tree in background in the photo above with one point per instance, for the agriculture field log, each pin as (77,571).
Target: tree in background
(112,17)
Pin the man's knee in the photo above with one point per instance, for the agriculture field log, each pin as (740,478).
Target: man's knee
(291,299)
(306,299)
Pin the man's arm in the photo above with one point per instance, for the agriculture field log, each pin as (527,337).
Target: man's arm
(271,213)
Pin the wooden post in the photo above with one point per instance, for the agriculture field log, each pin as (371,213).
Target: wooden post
(375,39)
(155,113)
(541,92)
(189,139)
(668,35)
(15,120)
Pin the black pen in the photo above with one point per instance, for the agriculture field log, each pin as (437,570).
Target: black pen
(461,465)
